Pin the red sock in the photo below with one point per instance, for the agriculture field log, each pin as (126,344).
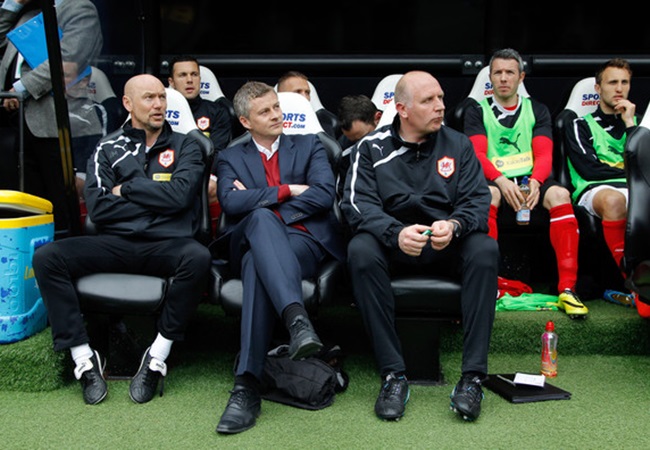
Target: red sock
(614,233)
(565,237)
(642,308)
(493,230)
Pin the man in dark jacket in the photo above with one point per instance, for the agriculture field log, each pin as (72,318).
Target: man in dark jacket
(416,199)
(277,191)
(142,193)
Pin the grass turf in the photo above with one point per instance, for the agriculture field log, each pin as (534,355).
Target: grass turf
(603,361)
(607,406)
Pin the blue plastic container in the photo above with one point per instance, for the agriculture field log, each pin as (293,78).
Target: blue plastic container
(26,223)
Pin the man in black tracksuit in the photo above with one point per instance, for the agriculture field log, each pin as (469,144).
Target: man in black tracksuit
(142,192)
(416,200)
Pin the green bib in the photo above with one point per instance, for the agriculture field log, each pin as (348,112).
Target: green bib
(609,151)
(510,149)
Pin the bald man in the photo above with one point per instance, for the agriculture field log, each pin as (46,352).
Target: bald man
(430,216)
(141,191)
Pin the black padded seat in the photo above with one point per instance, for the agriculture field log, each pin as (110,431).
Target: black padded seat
(115,293)
(423,306)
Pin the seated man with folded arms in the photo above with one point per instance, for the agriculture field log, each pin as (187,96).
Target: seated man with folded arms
(279,191)
(141,191)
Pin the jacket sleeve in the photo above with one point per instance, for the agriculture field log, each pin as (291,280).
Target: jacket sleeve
(317,174)
(176,195)
(232,165)
(473,196)
(101,176)
(362,206)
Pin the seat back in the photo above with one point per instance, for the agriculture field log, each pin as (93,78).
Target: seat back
(298,114)
(328,120)
(582,100)
(637,164)
(210,88)
(388,115)
(385,91)
(179,116)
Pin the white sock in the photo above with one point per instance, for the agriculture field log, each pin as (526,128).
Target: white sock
(161,347)
(81,353)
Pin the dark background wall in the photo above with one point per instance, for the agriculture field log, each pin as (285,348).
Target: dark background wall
(347,47)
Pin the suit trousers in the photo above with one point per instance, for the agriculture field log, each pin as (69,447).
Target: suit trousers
(473,259)
(273,258)
(59,263)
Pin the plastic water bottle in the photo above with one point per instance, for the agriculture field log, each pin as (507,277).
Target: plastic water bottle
(549,351)
(523,215)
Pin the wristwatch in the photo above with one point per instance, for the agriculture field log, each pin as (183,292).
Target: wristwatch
(456,228)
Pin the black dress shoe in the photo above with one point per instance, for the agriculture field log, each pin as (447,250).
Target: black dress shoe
(304,340)
(244,406)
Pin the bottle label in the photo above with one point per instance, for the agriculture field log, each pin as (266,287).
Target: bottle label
(549,362)
(523,216)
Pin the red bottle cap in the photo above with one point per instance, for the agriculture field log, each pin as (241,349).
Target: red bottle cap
(550,326)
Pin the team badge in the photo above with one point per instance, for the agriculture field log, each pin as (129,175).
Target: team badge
(446,166)
(203,123)
(166,158)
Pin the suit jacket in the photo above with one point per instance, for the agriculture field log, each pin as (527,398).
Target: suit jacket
(81,42)
(302,160)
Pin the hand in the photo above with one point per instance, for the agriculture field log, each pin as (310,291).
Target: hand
(297,189)
(411,240)
(117,190)
(212,189)
(239,185)
(533,197)
(510,191)
(11,104)
(626,109)
(442,232)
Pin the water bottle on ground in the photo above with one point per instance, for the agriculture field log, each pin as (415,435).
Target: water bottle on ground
(523,215)
(549,351)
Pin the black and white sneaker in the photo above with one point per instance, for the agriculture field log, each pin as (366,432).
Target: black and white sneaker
(466,397)
(145,382)
(393,396)
(90,374)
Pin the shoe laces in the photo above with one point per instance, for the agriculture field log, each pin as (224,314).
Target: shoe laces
(239,397)
(393,386)
(298,325)
(470,385)
(152,376)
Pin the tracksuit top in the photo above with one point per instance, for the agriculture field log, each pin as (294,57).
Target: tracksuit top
(392,183)
(160,187)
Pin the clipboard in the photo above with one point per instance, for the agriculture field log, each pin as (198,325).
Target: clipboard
(503,385)
(29,39)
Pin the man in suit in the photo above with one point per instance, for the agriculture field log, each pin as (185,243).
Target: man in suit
(81,43)
(279,191)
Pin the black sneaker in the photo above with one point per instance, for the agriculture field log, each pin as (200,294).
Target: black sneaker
(90,374)
(466,397)
(304,340)
(394,393)
(244,407)
(145,382)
